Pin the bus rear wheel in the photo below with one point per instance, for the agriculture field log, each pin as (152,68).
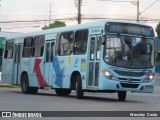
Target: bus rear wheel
(25,86)
(122,95)
(60,91)
(79,90)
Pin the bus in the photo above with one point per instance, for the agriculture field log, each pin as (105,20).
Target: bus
(103,56)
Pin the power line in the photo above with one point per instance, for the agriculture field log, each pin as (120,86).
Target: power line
(20,27)
(148,7)
(94,17)
(116,1)
(28,21)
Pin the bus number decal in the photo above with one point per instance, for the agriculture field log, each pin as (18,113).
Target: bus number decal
(38,73)
(114,68)
(58,72)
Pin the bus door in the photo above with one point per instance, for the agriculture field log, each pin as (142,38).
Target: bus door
(17,59)
(48,65)
(94,58)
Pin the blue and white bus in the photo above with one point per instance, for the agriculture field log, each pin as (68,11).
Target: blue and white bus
(103,56)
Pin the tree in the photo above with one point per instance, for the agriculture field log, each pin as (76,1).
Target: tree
(54,25)
(158,29)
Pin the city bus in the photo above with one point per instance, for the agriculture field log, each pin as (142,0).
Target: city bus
(102,56)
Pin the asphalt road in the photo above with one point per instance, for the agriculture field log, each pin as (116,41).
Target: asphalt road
(11,99)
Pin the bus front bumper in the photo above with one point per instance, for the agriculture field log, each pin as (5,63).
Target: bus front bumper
(146,87)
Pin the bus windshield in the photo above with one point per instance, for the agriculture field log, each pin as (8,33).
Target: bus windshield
(129,52)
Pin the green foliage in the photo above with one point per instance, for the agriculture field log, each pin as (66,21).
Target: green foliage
(56,24)
(158,30)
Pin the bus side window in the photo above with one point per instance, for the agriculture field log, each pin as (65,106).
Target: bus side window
(9,49)
(38,46)
(47,52)
(52,51)
(27,47)
(66,40)
(80,42)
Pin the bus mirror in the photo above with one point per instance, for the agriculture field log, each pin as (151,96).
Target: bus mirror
(156,52)
(103,40)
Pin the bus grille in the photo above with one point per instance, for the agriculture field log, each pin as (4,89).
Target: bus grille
(126,73)
(131,80)
(124,85)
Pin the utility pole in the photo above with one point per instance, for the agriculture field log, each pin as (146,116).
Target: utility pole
(137,4)
(50,13)
(138,11)
(79,11)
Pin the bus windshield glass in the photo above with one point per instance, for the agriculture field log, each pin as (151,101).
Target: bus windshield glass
(126,28)
(129,52)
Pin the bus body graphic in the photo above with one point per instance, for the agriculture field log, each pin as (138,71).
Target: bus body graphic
(103,56)
(58,71)
(38,73)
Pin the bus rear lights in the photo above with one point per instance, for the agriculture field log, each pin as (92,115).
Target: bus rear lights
(148,87)
(107,74)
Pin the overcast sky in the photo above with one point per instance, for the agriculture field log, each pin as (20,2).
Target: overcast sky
(13,11)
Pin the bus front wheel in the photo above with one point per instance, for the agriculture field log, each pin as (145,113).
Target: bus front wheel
(25,86)
(79,90)
(122,95)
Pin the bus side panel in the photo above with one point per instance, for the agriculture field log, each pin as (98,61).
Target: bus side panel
(7,70)
(79,63)
(64,66)
(58,71)
(27,66)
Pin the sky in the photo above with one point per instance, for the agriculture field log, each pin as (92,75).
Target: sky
(37,13)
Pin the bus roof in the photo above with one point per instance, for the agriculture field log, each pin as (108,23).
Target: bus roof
(99,23)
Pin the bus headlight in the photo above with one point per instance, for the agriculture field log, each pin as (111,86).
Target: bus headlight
(149,78)
(107,74)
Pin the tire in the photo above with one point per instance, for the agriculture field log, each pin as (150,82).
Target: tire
(25,86)
(79,90)
(33,90)
(122,95)
(62,92)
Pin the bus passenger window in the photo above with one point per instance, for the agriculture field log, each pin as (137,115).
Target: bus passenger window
(52,51)
(80,43)
(66,41)
(9,49)
(27,47)
(38,46)
(47,52)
